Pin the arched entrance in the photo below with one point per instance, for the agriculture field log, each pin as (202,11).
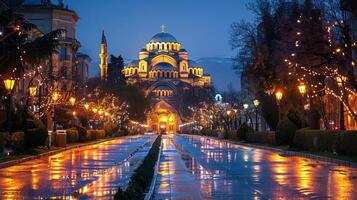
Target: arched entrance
(163,118)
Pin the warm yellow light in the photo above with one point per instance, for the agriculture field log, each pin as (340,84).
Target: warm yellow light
(302,88)
(74,113)
(32,90)
(56,95)
(106,114)
(95,110)
(163,119)
(338,50)
(256,102)
(171,119)
(246,106)
(235,110)
(100,112)
(86,106)
(278,95)
(72,101)
(229,112)
(9,84)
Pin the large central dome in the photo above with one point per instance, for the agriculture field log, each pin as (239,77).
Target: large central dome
(163,37)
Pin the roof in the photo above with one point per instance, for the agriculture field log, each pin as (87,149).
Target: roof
(163,66)
(104,39)
(134,63)
(163,87)
(163,37)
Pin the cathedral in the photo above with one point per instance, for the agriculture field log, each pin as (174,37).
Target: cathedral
(163,69)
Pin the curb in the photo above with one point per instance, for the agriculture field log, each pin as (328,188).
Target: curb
(289,153)
(21,160)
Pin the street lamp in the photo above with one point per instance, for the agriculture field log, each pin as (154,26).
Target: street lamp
(246,106)
(86,106)
(55,97)
(256,104)
(302,90)
(278,96)
(9,86)
(72,101)
(32,91)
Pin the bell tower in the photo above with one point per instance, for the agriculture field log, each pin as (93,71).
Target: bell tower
(103,66)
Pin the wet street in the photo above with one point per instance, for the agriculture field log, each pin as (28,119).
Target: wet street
(91,172)
(201,168)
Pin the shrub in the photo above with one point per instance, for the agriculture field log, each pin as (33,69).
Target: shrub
(267,137)
(110,128)
(91,135)
(72,135)
(285,132)
(294,116)
(342,142)
(17,140)
(3,140)
(37,136)
(100,134)
(243,130)
(82,133)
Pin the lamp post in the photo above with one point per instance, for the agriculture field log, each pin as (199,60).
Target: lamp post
(9,86)
(340,81)
(246,106)
(32,93)
(302,90)
(256,104)
(229,119)
(55,97)
(278,96)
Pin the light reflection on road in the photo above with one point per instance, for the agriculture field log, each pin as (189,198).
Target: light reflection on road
(229,171)
(87,172)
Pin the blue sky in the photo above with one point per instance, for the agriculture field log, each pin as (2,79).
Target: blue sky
(201,26)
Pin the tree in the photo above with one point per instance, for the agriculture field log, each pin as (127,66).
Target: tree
(115,76)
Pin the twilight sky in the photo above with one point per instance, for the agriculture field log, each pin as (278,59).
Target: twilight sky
(201,26)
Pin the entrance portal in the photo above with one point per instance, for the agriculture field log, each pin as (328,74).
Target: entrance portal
(163,118)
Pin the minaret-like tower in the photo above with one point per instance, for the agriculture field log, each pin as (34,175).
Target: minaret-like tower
(103,66)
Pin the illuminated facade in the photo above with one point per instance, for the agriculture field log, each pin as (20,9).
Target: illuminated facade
(165,71)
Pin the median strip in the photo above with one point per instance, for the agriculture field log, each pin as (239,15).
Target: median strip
(143,175)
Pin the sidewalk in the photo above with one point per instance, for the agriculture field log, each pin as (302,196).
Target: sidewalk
(51,152)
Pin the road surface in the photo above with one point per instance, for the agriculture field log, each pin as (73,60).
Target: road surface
(193,167)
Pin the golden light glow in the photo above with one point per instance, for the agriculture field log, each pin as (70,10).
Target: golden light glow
(163,119)
(302,88)
(86,106)
(95,110)
(9,84)
(229,112)
(32,90)
(171,119)
(74,113)
(72,101)
(246,106)
(278,95)
(100,112)
(256,102)
(55,96)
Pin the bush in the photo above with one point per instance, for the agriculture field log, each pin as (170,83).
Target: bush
(285,132)
(72,135)
(243,130)
(17,140)
(82,133)
(100,134)
(3,140)
(267,137)
(342,142)
(110,128)
(141,179)
(37,136)
(294,116)
(91,135)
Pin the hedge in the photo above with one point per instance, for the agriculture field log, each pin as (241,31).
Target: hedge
(342,142)
(72,135)
(142,177)
(267,137)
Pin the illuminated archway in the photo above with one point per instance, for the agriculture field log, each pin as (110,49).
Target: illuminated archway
(163,118)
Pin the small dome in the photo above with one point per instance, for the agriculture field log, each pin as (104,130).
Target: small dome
(163,66)
(143,50)
(163,37)
(163,87)
(134,63)
(183,51)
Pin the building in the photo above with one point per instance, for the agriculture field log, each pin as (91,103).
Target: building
(83,72)
(48,17)
(165,72)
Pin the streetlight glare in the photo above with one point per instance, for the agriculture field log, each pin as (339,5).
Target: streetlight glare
(55,96)
(279,95)
(302,89)
(256,102)
(245,106)
(32,90)
(9,84)
(72,100)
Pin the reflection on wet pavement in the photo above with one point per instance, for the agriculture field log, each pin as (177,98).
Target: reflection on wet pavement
(94,171)
(221,170)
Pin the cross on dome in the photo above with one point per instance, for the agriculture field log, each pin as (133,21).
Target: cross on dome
(162,28)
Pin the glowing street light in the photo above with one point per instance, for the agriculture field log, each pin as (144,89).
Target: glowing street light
(72,101)
(9,84)
(245,106)
(95,110)
(278,96)
(229,112)
(55,96)
(256,102)
(32,90)
(86,106)
(302,89)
